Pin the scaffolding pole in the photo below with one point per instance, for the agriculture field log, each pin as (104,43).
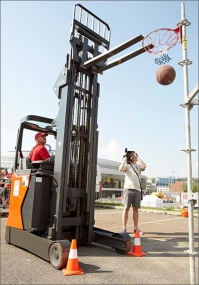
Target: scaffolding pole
(188,106)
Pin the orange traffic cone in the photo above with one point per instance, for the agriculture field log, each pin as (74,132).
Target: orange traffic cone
(184,213)
(72,267)
(137,250)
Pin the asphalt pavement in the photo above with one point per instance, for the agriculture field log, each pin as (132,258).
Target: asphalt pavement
(165,243)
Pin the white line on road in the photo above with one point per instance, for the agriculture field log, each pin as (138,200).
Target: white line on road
(159,221)
(108,213)
(150,222)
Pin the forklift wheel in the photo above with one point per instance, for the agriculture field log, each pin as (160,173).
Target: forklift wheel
(127,246)
(58,254)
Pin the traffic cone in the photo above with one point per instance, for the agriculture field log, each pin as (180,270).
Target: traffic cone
(184,213)
(72,267)
(137,249)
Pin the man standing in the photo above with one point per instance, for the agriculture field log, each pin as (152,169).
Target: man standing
(132,189)
(39,152)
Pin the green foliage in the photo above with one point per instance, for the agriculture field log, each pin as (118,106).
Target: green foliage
(112,205)
(143,183)
(109,204)
(184,187)
(169,209)
(195,187)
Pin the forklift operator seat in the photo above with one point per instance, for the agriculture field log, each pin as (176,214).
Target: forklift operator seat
(44,165)
(24,163)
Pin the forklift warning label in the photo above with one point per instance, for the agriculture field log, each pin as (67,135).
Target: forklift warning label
(16,188)
(25,180)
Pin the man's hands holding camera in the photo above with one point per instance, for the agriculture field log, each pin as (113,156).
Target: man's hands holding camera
(125,157)
(129,155)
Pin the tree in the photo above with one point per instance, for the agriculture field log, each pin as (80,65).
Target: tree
(194,187)
(184,187)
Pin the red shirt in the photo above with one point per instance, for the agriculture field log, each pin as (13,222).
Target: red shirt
(38,152)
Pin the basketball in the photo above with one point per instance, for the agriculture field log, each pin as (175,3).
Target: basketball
(165,75)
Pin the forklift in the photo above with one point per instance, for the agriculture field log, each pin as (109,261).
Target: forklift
(53,202)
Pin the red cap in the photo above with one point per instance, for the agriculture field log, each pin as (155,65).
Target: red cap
(39,135)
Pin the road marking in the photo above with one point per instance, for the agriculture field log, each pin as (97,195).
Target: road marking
(159,221)
(130,224)
(108,213)
(151,222)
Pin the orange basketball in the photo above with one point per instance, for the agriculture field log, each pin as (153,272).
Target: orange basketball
(165,75)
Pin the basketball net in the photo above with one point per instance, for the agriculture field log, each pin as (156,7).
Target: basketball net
(162,57)
(162,40)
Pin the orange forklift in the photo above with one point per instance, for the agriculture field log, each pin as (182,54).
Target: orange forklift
(53,202)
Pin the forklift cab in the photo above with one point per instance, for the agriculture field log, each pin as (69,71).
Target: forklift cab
(36,124)
(31,182)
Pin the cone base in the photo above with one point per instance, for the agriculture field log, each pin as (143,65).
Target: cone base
(137,254)
(72,272)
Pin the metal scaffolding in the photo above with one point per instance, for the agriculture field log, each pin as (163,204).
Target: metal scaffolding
(189,102)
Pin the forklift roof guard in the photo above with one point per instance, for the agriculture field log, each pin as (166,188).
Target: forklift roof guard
(38,124)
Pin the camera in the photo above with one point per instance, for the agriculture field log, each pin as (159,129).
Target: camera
(128,154)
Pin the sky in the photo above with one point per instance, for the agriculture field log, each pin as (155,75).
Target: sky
(135,111)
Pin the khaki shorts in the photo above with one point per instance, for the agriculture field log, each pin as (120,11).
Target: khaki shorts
(131,197)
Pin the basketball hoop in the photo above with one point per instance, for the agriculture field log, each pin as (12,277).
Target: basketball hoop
(162,40)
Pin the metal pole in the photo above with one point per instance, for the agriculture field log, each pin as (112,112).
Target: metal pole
(188,149)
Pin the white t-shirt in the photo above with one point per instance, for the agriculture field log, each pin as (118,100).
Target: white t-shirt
(131,178)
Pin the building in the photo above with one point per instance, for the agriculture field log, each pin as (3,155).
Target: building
(7,159)
(150,187)
(162,184)
(177,186)
(112,180)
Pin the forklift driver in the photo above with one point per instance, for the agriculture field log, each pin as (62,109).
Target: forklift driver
(39,152)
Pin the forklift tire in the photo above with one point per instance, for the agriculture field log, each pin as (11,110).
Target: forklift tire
(58,254)
(127,241)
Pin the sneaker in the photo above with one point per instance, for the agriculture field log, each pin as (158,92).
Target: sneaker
(123,230)
(141,233)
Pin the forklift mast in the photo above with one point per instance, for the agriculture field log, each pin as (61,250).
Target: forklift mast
(78,89)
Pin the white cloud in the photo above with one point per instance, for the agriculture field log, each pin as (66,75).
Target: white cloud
(112,151)
(151,171)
